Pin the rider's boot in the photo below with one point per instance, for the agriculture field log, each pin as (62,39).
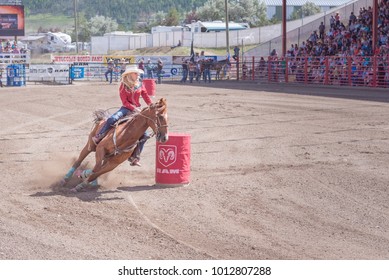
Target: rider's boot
(134,161)
(97,138)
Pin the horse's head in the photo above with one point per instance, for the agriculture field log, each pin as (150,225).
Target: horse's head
(158,119)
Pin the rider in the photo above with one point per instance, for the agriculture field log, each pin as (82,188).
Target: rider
(130,90)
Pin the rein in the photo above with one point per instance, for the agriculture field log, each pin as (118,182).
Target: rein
(157,124)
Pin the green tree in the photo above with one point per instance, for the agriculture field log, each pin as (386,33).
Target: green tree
(84,31)
(191,16)
(250,11)
(99,25)
(172,17)
(308,9)
(212,10)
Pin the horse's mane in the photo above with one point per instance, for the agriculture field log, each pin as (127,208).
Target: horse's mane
(162,102)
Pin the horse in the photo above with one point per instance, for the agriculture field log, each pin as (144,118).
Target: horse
(213,65)
(218,66)
(119,143)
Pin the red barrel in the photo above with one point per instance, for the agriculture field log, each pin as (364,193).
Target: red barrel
(172,167)
(150,86)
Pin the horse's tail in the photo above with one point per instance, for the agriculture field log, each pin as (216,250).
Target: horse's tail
(100,115)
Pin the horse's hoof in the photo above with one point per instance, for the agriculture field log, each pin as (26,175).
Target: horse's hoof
(94,184)
(80,187)
(63,182)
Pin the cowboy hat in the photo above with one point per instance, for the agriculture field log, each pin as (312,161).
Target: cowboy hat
(132,69)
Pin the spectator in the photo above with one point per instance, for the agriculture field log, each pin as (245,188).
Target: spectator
(192,71)
(123,65)
(159,70)
(321,30)
(185,70)
(207,70)
(337,19)
(141,66)
(332,22)
(352,18)
(149,69)
(236,53)
(109,71)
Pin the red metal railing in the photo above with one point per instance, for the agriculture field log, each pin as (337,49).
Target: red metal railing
(330,70)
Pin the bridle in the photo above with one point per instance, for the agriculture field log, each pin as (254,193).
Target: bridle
(157,123)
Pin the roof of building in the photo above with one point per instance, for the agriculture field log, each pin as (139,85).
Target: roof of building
(32,38)
(320,3)
(221,26)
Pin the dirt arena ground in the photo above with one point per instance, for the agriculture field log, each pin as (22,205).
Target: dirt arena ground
(277,172)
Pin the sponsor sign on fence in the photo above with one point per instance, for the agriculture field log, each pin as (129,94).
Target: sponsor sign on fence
(48,73)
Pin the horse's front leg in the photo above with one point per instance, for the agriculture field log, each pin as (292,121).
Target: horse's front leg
(101,168)
(84,153)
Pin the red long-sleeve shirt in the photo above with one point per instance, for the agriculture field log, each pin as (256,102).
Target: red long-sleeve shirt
(130,99)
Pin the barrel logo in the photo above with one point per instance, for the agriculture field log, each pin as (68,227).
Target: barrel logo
(167,155)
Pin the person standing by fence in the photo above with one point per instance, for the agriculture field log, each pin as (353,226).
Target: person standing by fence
(123,66)
(149,69)
(159,70)
(184,70)
(192,71)
(236,53)
(109,71)
(141,66)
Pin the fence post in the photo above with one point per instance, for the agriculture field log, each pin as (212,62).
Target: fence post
(70,74)
(253,69)
(306,70)
(349,70)
(327,71)
(374,71)
(269,68)
(237,68)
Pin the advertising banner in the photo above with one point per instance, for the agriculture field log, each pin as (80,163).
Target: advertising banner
(51,72)
(11,20)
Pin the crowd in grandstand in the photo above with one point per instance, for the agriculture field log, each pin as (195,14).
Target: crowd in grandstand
(355,39)
(342,44)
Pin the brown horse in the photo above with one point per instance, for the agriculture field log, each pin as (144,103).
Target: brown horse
(213,65)
(119,143)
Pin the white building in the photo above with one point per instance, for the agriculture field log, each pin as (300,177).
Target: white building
(159,28)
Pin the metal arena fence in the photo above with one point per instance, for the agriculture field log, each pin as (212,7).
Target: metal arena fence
(361,71)
(330,70)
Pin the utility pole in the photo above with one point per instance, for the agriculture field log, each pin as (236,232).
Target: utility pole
(283,28)
(227,29)
(75,24)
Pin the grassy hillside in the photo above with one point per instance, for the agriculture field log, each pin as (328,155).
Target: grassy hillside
(49,22)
